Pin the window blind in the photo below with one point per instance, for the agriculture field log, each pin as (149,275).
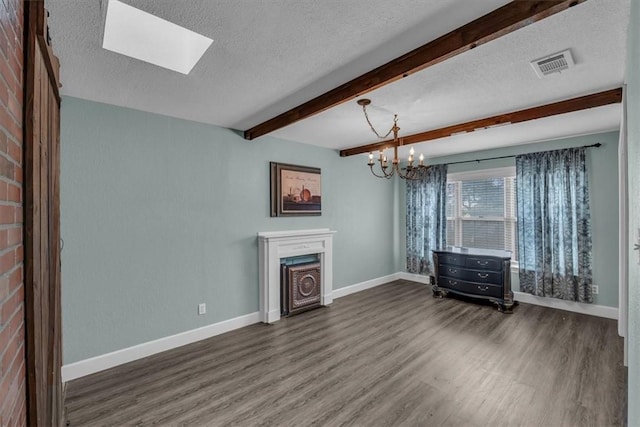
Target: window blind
(481,211)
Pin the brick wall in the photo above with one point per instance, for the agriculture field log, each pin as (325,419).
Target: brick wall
(12,343)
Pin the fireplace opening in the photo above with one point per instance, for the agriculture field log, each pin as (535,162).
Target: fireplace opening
(300,284)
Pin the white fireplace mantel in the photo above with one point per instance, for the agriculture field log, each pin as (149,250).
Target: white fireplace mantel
(274,245)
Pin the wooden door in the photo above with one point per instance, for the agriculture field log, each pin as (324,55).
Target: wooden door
(42,219)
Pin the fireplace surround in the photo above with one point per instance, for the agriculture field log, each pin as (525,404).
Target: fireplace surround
(274,245)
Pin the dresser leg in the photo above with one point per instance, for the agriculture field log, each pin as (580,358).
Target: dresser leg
(506,308)
(437,292)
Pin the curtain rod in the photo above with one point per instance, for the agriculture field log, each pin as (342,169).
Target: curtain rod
(515,155)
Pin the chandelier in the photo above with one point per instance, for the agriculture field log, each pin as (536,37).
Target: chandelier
(411,172)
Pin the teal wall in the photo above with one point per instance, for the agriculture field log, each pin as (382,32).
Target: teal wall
(602,164)
(633,154)
(159,214)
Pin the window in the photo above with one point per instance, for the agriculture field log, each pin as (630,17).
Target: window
(481,210)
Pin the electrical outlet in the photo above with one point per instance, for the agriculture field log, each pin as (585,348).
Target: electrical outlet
(202,308)
(594,289)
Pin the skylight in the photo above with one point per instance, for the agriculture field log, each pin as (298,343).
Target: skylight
(141,35)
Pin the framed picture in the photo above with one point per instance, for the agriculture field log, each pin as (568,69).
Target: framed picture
(295,190)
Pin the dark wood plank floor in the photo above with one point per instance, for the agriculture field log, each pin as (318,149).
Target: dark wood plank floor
(388,356)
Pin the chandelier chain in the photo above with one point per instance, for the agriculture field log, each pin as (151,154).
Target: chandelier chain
(395,122)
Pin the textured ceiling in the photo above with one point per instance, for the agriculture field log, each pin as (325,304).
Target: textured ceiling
(269,56)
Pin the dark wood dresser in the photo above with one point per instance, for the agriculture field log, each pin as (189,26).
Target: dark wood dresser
(478,273)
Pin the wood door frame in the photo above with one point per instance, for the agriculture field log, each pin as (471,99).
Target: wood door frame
(41,132)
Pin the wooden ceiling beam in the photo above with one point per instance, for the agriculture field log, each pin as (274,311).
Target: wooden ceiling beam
(599,99)
(504,20)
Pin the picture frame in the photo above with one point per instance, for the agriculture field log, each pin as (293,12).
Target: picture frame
(295,190)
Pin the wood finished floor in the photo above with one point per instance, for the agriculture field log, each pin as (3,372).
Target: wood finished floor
(388,356)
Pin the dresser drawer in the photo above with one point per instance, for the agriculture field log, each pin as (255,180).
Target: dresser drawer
(484,263)
(451,271)
(482,276)
(450,283)
(482,289)
(451,259)
(469,287)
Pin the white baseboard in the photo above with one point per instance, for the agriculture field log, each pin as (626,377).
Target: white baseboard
(125,355)
(576,307)
(413,277)
(348,290)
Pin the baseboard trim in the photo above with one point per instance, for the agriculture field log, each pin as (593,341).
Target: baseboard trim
(576,307)
(414,277)
(125,355)
(109,360)
(90,366)
(368,284)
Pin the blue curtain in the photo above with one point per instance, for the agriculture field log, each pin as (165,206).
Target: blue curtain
(554,230)
(426,218)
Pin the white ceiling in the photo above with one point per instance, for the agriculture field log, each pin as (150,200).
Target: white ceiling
(269,56)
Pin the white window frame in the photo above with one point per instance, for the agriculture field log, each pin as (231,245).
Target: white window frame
(510,213)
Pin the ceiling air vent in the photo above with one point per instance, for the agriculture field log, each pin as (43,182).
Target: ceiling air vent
(553,63)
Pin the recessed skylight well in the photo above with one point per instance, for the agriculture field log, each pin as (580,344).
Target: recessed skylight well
(141,35)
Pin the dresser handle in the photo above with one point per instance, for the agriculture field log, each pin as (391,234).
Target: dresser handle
(453,271)
(483,288)
(483,276)
(453,283)
(483,262)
